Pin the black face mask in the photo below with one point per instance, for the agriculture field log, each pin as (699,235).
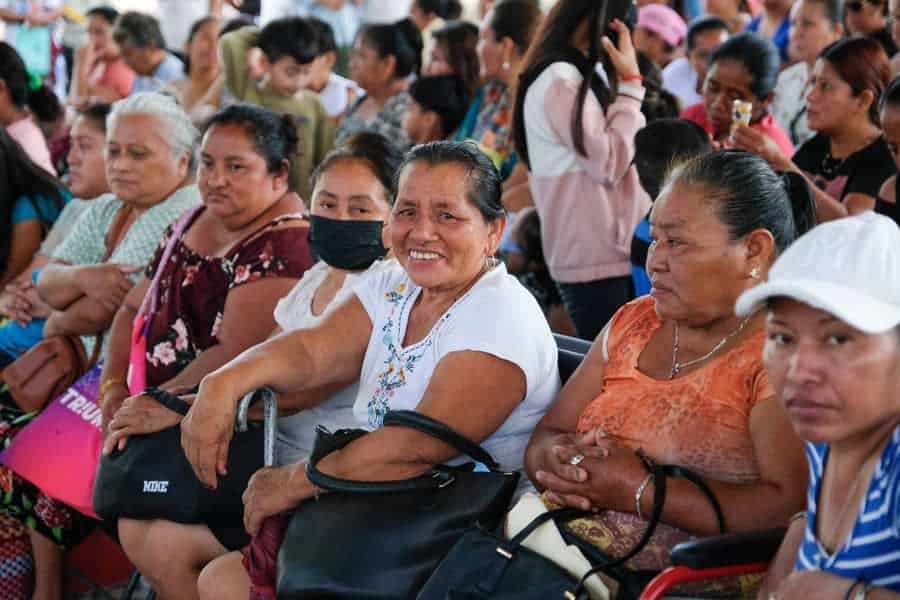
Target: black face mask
(349,245)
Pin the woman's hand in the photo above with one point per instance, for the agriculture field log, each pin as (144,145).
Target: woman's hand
(624,58)
(138,415)
(602,478)
(107,283)
(268,493)
(556,469)
(744,137)
(207,430)
(26,304)
(811,584)
(111,402)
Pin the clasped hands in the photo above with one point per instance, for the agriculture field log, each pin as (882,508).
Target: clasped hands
(602,479)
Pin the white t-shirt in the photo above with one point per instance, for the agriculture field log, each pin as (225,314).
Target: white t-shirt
(680,79)
(789,106)
(176,18)
(496,316)
(385,11)
(336,94)
(296,433)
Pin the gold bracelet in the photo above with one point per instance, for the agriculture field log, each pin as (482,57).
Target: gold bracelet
(109,383)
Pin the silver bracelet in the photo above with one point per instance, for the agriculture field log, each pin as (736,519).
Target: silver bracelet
(639,493)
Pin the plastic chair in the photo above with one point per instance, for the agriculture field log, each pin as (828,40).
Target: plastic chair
(716,557)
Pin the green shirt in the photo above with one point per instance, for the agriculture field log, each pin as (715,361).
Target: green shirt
(314,129)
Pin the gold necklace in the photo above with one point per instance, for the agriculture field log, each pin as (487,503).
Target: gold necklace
(677,367)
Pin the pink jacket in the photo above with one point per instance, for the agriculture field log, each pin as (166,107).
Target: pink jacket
(589,207)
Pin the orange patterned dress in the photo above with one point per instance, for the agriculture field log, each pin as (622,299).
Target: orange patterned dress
(701,420)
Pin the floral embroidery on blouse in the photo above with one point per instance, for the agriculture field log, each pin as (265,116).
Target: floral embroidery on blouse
(401,361)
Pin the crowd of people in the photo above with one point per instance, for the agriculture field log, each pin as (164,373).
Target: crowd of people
(370,212)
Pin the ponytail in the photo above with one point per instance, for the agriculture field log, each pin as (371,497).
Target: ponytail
(44,104)
(803,203)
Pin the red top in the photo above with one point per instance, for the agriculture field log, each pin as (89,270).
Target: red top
(767,125)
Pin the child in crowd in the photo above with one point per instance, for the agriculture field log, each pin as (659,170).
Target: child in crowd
(657,148)
(437,106)
(289,47)
(659,33)
(336,93)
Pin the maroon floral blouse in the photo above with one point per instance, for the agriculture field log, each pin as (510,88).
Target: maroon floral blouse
(193,290)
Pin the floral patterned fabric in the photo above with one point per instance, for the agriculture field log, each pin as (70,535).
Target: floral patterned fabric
(489,123)
(388,123)
(193,290)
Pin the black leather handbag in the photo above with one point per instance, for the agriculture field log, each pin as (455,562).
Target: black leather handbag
(152,479)
(382,540)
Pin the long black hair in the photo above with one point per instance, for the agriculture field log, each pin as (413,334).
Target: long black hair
(22,179)
(554,43)
(25,92)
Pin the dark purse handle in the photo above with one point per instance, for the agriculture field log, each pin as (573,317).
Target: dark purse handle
(437,478)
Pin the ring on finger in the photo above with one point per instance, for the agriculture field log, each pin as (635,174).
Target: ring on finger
(576,460)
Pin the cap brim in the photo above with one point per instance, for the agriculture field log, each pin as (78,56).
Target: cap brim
(860,311)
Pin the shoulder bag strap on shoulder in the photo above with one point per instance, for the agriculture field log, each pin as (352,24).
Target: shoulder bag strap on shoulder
(436,429)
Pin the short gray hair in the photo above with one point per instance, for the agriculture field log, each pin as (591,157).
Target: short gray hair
(181,134)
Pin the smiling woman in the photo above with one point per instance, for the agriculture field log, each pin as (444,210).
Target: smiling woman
(446,333)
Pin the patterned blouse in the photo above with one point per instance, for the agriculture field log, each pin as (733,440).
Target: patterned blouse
(193,290)
(388,123)
(489,124)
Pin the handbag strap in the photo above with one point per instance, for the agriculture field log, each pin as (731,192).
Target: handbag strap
(148,306)
(436,478)
(270,419)
(685,473)
(169,400)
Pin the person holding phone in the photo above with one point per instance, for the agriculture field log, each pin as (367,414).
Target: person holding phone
(577,110)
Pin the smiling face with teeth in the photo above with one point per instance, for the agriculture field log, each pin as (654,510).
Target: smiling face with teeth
(439,235)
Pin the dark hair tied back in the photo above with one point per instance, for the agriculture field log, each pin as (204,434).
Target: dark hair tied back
(274,136)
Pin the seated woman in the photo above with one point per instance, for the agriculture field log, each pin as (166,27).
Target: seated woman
(351,199)
(200,92)
(506,33)
(677,377)
(437,105)
(833,357)
(20,301)
(869,18)
(384,56)
(744,68)
(100,73)
(149,159)
(455,52)
(30,201)
(848,159)
(446,332)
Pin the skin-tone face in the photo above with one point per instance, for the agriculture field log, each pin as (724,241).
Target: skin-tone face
(368,69)
(203,47)
(100,36)
(777,7)
(864,17)
(320,71)
(696,269)
(421,125)
(438,62)
(705,43)
(890,125)
(141,167)
(811,31)
(651,44)
(724,9)
(234,179)
(831,104)
(87,168)
(492,53)
(729,80)
(837,384)
(142,61)
(286,75)
(348,190)
(438,235)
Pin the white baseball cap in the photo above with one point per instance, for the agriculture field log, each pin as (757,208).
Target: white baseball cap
(849,268)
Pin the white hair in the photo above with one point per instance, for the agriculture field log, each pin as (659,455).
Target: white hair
(181,134)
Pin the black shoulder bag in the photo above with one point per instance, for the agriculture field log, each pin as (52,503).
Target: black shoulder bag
(382,540)
(152,479)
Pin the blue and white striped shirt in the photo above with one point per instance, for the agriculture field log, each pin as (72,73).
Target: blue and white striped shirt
(871,552)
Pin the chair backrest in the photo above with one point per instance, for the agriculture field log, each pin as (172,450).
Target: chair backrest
(571,353)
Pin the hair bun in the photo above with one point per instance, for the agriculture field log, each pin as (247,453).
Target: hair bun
(803,203)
